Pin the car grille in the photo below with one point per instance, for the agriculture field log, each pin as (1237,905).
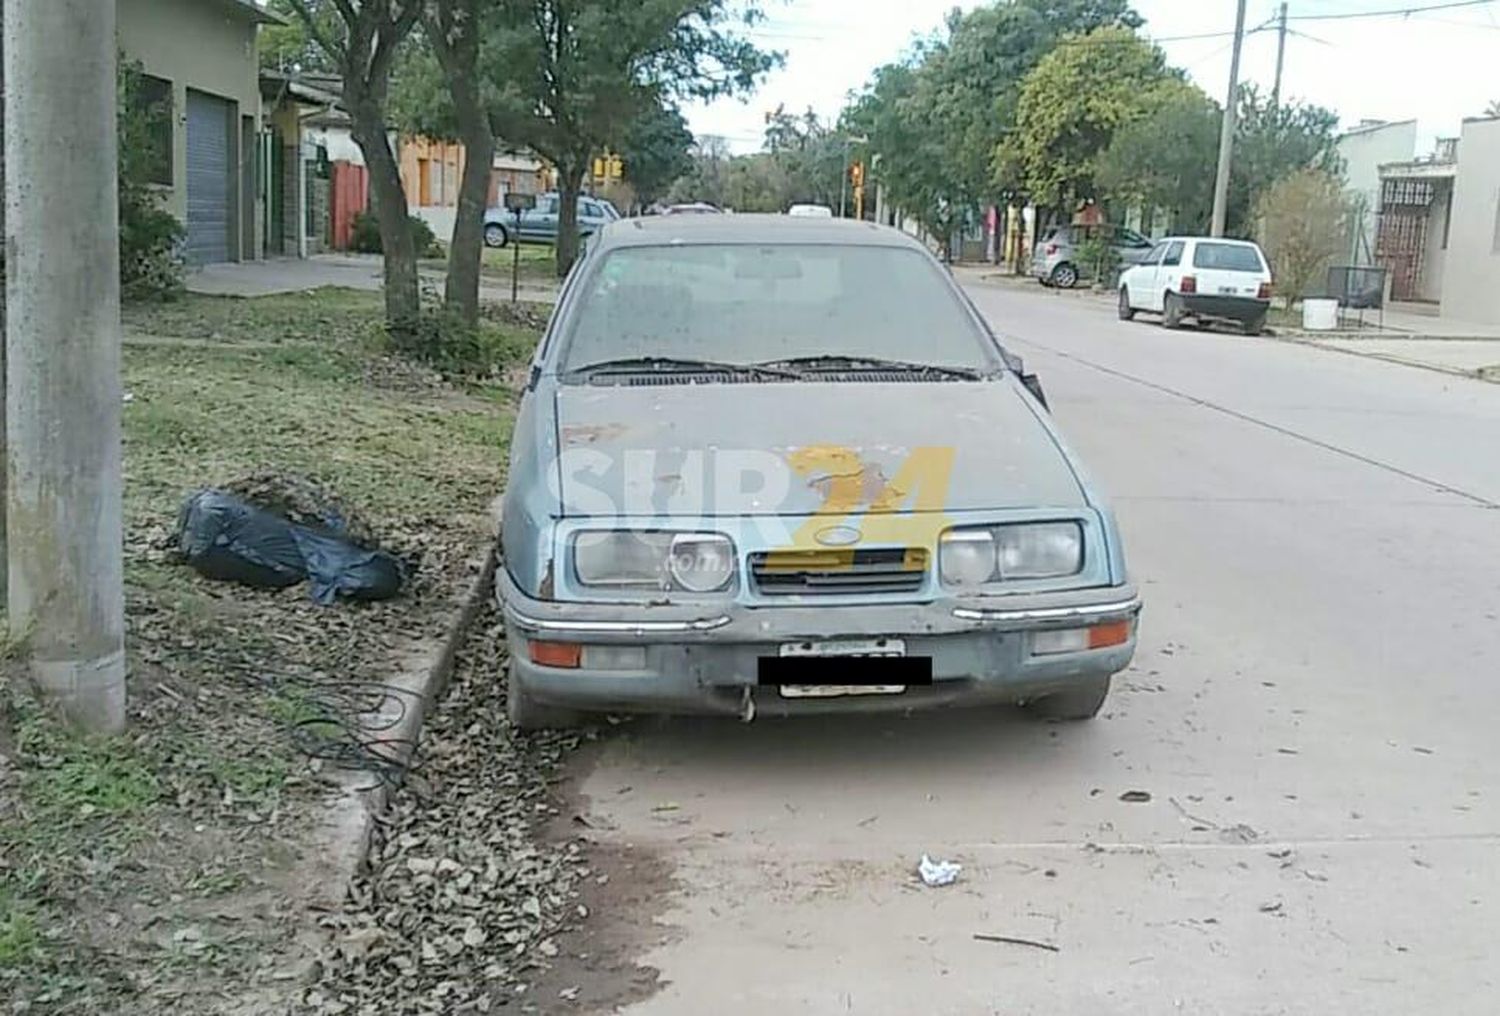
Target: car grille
(839,572)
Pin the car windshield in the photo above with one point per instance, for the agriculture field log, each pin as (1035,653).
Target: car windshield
(740,303)
(1226,257)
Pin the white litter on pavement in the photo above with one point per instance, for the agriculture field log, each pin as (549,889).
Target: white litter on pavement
(936,873)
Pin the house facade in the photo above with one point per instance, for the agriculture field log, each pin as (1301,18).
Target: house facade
(1472,263)
(199,61)
(1364,149)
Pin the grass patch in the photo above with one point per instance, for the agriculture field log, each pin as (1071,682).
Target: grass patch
(106,845)
(327,316)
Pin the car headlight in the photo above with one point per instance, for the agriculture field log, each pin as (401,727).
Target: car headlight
(625,559)
(968,558)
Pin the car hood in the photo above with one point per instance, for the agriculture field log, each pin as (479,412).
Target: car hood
(794,448)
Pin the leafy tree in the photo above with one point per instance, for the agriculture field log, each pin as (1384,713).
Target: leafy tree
(970,85)
(706,177)
(362,39)
(1072,104)
(657,149)
(1167,158)
(1271,142)
(566,76)
(1302,223)
(291,47)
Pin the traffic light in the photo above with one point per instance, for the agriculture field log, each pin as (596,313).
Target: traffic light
(616,167)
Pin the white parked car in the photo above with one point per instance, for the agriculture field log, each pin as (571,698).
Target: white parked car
(1207,279)
(811,211)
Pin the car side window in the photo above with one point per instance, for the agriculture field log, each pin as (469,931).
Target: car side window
(1174,253)
(1154,258)
(546,205)
(592,210)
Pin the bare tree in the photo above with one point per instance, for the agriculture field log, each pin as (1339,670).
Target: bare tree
(362,38)
(453,30)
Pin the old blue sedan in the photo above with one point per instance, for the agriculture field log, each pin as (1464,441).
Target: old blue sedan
(767,464)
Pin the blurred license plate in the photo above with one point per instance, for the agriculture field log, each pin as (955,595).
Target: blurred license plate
(1227,291)
(870,659)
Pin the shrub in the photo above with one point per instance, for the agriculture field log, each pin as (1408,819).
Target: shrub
(444,341)
(365,236)
(1303,224)
(150,237)
(1099,259)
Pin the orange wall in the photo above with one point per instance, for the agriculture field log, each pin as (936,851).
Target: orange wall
(431,171)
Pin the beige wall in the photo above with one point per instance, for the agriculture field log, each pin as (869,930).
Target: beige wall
(1471,271)
(202,45)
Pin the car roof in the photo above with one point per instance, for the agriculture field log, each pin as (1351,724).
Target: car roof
(1210,239)
(658,230)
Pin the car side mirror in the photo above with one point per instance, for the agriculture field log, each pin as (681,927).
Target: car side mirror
(1034,386)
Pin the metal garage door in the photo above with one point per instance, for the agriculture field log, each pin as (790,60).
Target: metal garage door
(208,190)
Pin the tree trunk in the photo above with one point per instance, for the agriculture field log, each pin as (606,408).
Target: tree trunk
(461,292)
(453,28)
(402,300)
(569,185)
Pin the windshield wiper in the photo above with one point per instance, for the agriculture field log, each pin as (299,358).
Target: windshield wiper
(679,365)
(834,362)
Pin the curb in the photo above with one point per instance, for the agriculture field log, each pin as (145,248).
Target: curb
(351,817)
(1486,374)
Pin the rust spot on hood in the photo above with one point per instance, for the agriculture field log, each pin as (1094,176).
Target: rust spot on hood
(587,434)
(840,475)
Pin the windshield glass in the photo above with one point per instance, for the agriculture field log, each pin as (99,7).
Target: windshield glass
(744,303)
(1227,257)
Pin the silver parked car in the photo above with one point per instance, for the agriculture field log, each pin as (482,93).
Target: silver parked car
(767,464)
(1055,260)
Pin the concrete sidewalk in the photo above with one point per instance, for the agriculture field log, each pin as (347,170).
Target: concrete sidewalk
(349,271)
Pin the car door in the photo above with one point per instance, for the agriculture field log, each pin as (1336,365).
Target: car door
(541,222)
(1168,275)
(1140,279)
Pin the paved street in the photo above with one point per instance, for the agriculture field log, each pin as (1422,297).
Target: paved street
(1312,712)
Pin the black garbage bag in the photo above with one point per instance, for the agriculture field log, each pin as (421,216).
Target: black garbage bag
(226,538)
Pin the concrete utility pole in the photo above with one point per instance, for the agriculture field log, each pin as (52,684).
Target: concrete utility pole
(1226,130)
(1280,56)
(63,354)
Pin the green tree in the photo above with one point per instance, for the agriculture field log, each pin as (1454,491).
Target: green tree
(1272,142)
(1071,105)
(1166,159)
(567,76)
(1302,223)
(361,39)
(657,149)
(290,47)
(970,85)
(149,234)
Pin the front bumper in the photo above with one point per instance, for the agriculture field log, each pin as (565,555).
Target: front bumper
(1232,308)
(705,660)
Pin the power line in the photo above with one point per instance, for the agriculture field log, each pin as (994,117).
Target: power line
(1391,13)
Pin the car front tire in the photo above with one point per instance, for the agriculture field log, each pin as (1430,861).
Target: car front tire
(1082,702)
(1127,312)
(495,235)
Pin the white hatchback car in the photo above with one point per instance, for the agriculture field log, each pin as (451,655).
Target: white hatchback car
(811,211)
(1201,278)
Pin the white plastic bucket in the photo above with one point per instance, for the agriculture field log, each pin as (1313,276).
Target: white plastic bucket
(1320,315)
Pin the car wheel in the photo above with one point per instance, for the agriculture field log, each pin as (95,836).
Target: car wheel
(1127,312)
(1254,326)
(1172,311)
(526,713)
(1064,276)
(1079,703)
(494,235)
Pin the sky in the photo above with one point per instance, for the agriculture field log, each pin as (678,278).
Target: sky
(1436,67)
